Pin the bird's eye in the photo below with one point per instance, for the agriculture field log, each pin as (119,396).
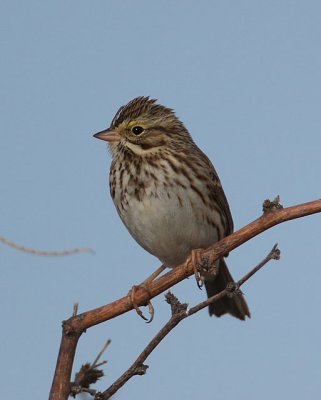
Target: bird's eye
(137,130)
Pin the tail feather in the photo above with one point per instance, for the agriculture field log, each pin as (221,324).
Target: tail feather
(236,305)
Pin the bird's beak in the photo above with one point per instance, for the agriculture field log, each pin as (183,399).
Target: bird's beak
(109,135)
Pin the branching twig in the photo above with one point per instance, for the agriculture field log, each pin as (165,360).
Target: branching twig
(138,367)
(179,312)
(46,253)
(73,328)
(233,287)
(88,374)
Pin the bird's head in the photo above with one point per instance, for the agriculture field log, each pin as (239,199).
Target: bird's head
(142,127)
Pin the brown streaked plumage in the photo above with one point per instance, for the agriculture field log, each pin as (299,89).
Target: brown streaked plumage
(168,193)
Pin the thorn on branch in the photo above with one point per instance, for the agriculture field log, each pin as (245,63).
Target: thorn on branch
(275,253)
(75,310)
(176,306)
(141,369)
(272,206)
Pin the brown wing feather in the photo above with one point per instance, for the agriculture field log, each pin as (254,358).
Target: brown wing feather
(218,192)
(235,306)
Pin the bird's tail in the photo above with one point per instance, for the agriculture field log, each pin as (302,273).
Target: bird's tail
(236,305)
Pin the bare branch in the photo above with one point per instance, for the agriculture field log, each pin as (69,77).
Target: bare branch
(218,250)
(179,312)
(73,328)
(46,253)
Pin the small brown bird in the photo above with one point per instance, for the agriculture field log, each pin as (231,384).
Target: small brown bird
(167,192)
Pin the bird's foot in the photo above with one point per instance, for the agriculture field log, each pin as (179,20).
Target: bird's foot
(145,286)
(195,259)
(132,301)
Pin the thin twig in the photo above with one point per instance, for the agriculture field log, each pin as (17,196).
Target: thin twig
(274,254)
(46,253)
(179,312)
(95,364)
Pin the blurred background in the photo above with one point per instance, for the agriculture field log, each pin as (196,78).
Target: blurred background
(245,78)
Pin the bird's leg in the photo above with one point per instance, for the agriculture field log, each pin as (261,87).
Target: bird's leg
(195,258)
(145,285)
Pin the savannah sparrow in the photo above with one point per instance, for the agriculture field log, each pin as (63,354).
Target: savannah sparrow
(167,192)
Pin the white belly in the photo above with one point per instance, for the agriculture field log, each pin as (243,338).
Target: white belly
(167,222)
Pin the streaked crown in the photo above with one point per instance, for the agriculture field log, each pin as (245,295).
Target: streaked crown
(142,108)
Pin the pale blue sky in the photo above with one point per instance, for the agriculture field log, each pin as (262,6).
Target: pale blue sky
(245,77)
